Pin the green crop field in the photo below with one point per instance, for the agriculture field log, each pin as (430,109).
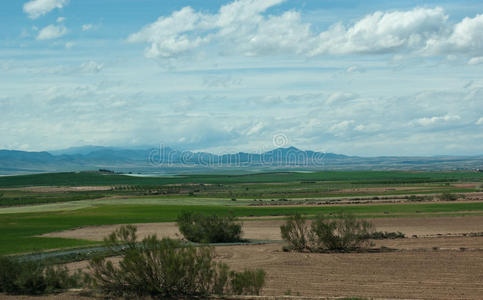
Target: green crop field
(18,231)
(268,186)
(27,213)
(95,178)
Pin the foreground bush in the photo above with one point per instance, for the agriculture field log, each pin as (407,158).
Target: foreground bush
(209,229)
(167,269)
(33,278)
(342,233)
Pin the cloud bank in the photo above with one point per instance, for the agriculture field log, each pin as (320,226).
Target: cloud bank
(243,28)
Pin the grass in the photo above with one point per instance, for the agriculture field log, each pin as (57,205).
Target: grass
(240,187)
(15,198)
(162,199)
(360,177)
(18,231)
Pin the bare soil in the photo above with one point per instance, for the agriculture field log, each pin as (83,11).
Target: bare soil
(441,263)
(270,229)
(407,274)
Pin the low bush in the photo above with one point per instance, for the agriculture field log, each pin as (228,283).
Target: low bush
(296,232)
(383,235)
(414,198)
(34,278)
(209,228)
(446,196)
(248,282)
(167,269)
(342,233)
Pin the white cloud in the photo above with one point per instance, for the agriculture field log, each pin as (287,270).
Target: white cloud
(480,121)
(37,8)
(476,60)
(255,129)
(241,28)
(87,27)
(60,19)
(368,127)
(435,120)
(340,97)
(339,128)
(383,32)
(355,69)
(51,32)
(69,45)
(91,67)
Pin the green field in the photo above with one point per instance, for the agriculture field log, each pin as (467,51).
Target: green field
(25,214)
(17,231)
(357,177)
(269,186)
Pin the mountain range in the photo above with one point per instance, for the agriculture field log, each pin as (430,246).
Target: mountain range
(169,160)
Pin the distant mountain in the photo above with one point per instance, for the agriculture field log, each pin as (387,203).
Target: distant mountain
(166,159)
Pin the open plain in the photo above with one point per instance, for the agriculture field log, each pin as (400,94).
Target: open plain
(440,214)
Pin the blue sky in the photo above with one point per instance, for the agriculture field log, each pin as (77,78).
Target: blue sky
(360,78)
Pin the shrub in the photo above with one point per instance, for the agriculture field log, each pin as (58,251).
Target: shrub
(296,232)
(383,235)
(415,198)
(446,196)
(342,233)
(248,282)
(34,278)
(167,269)
(209,229)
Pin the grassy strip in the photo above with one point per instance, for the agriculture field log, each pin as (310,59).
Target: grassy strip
(358,177)
(18,231)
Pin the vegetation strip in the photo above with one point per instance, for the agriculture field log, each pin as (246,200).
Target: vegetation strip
(18,231)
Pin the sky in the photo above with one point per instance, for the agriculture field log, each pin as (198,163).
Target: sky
(368,78)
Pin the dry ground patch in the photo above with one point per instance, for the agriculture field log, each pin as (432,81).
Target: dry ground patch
(450,274)
(449,266)
(270,229)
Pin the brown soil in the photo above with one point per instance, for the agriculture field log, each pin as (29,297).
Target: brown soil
(410,274)
(270,229)
(439,264)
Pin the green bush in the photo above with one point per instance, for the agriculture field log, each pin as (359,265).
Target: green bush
(383,235)
(248,282)
(209,229)
(414,198)
(342,233)
(296,232)
(34,278)
(167,269)
(446,196)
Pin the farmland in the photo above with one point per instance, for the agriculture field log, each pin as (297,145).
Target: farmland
(440,213)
